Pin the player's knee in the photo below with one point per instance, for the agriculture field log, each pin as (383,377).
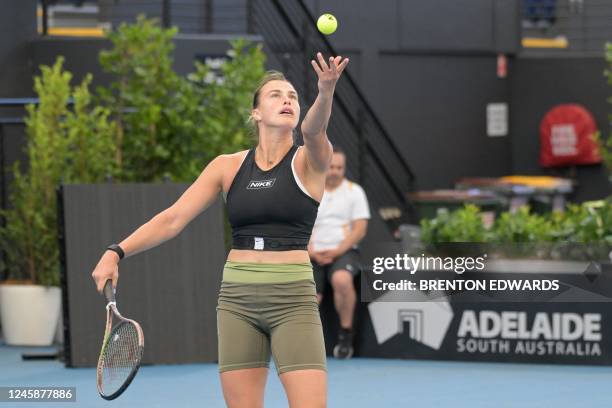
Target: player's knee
(240,398)
(315,400)
(311,404)
(319,402)
(244,388)
(342,281)
(242,401)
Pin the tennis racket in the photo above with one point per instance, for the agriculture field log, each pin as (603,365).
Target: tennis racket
(121,352)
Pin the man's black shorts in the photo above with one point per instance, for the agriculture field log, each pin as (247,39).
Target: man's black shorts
(348,261)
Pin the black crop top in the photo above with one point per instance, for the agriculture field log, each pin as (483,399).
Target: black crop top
(267,209)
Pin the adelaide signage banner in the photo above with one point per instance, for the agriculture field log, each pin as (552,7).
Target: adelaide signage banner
(535,311)
(572,333)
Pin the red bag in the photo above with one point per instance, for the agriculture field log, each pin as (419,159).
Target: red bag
(566,137)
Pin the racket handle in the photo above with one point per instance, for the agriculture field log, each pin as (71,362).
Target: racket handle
(109,292)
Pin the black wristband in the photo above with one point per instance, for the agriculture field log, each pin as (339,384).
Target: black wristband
(116,248)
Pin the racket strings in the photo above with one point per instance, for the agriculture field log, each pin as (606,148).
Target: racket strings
(120,356)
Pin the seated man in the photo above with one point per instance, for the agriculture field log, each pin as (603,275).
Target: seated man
(341,223)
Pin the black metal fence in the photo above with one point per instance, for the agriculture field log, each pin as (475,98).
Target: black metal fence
(375,161)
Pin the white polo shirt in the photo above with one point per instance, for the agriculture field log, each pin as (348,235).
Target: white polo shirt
(338,209)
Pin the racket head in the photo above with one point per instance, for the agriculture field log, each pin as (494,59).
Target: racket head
(120,356)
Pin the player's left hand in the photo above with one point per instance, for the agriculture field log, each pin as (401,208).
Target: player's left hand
(328,72)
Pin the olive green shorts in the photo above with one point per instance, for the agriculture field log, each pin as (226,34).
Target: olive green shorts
(269,310)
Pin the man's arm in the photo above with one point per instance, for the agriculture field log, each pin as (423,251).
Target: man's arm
(358,232)
(359,228)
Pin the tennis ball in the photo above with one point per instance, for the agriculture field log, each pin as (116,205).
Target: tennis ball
(327,23)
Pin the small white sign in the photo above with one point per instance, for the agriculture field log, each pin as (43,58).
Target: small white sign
(497,119)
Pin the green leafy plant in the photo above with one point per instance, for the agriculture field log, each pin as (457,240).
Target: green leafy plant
(522,234)
(589,223)
(586,223)
(170,126)
(62,144)
(143,89)
(462,225)
(605,149)
(525,234)
(605,146)
(521,226)
(224,100)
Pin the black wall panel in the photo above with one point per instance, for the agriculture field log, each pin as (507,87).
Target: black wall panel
(171,290)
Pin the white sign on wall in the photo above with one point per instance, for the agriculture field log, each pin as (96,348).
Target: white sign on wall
(497,119)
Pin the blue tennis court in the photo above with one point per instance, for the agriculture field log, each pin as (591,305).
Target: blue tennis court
(355,383)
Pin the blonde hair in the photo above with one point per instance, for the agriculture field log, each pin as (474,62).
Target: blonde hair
(268,76)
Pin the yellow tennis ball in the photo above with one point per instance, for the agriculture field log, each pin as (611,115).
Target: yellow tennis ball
(327,23)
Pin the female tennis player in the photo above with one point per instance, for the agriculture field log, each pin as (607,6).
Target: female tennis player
(267,303)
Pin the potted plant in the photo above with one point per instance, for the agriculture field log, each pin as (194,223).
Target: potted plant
(63,143)
(581,233)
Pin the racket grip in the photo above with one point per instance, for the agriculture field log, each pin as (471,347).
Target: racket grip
(109,292)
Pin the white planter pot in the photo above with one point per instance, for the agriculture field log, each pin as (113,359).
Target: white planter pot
(29,314)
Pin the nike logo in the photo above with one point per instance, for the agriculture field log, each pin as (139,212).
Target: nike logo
(255,185)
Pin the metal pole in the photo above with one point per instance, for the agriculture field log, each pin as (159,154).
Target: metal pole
(2,171)
(166,17)
(45,17)
(3,273)
(361,146)
(286,59)
(307,57)
(65,354)
(208,18)
(250,17)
